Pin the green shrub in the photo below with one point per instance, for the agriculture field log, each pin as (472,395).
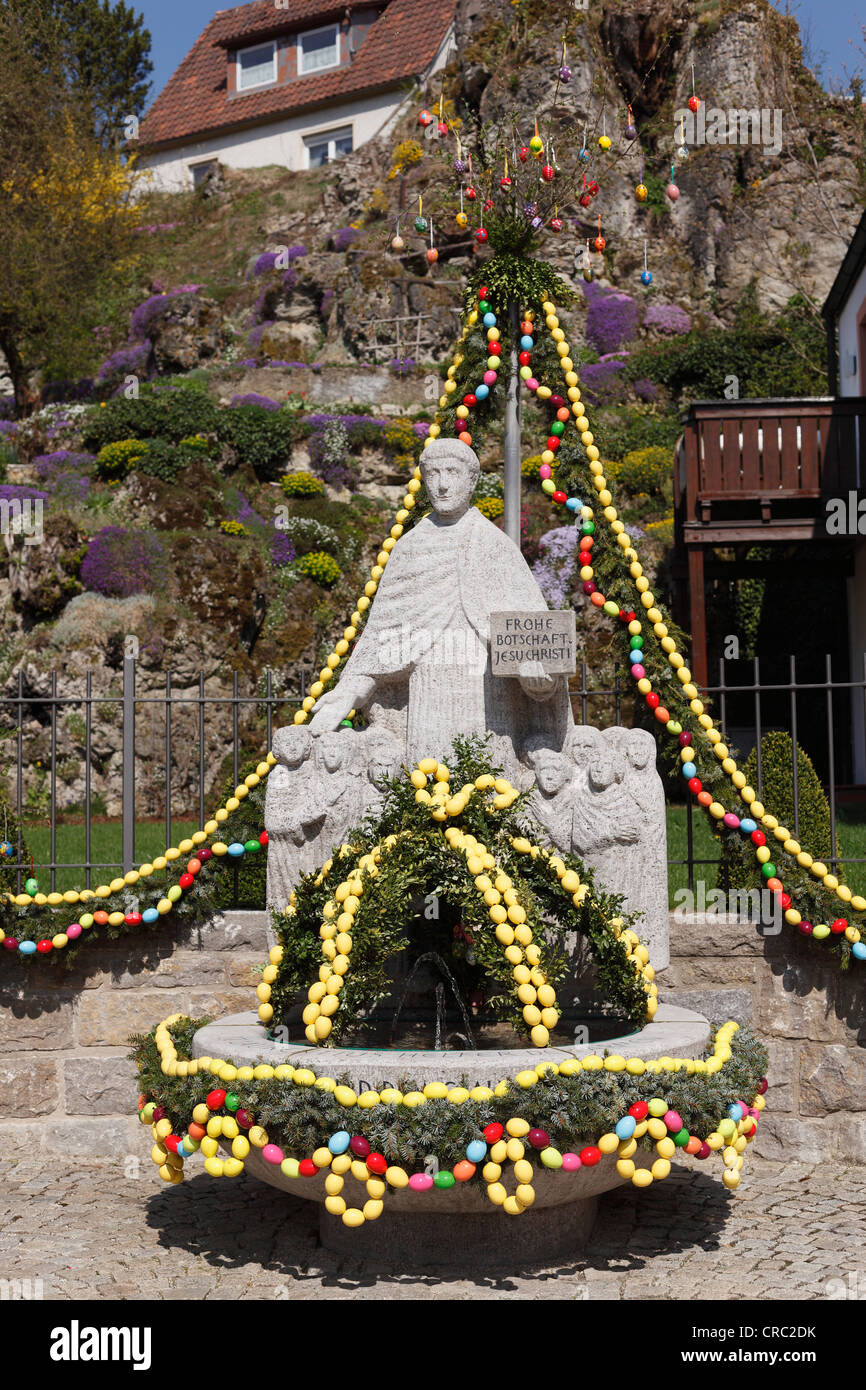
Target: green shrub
(162,460)
(777,778)
(263,438)
(320,566)
(662,530)
(301,484)
(643,470)
(198,447)
(117,460)
(173,415)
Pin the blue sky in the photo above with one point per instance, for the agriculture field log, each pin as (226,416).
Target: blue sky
(831,28)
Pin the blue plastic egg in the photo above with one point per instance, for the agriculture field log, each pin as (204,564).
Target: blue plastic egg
(625,1127)
(489,320)
(236,850)
(150,914)
(527,343)
(646,277)
(339,1142)
(27,948)
(859,950)
(748,825)
(482,392)
(574,504)
(689,770)
(476,1150)
(735,1111)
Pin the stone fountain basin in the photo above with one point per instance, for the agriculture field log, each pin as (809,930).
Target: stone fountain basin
(674,1032)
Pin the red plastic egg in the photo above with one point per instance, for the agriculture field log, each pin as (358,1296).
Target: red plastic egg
(214,1100)
(171,1142)
(425,118)
(481,236)
(639,1110)
(470,399)
(525,358)
(758,837)
(560,497)
(263,838)
(307,1168)
(548,173)
(694,103)
(590,1156)
(493,1133)
(539,1138)
(43,947)
(186,880)
(377,1163)
(838,926)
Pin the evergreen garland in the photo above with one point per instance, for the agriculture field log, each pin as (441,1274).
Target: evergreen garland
(416,860)
(574,1110)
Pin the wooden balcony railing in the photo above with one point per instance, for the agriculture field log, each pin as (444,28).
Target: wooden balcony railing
(758,453)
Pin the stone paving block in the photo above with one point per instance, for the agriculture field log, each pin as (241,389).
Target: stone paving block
(28,1087)
(85,1138)
(100,1085)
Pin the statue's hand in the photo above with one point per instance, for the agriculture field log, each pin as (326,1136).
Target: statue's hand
(335,705)
(535,681)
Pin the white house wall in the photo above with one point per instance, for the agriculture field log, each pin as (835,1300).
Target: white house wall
(280,142)
(849,380)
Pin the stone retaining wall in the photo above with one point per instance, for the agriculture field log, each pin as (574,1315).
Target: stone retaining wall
(67,1088)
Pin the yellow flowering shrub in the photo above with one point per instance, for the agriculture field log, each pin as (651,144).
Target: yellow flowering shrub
(491,507)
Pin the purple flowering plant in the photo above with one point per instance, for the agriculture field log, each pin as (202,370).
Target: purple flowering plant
(120,562)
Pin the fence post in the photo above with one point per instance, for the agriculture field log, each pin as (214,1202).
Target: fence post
(128,764)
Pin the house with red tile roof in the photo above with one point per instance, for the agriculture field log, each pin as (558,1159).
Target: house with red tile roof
(291,82)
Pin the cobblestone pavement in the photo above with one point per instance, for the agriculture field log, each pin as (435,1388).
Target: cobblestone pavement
(97,1233)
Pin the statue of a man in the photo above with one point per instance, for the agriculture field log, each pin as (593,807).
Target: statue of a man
(429,627)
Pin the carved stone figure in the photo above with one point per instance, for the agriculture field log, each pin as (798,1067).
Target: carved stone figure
(421,672)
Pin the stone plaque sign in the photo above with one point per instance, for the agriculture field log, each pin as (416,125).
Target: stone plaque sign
(518,637)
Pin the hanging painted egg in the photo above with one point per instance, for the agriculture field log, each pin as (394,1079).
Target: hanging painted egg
(505,181)
(462,220)
(556,224)
(523,153)
(584,155)
(599,243)
(694,103)
(587,272)
(592,188)
(488,204)
(481,235)
(471,194)
(432,255)
(641,192)
(460,166)
(442,130)
(682,152)
(548,173)
(397,243)
(565,73)
(536,144)
(673,192)
(584,200)
(646,277)
(604,142)
(425,118)
(420,224)
(530,209)
(631,131)
(537,223)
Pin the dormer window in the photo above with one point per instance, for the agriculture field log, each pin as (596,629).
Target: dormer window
(319,48)
(257,67)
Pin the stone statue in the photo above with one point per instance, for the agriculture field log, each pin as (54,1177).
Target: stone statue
(421,673)
(425,645)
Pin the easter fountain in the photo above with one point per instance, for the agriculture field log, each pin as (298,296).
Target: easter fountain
(441,858)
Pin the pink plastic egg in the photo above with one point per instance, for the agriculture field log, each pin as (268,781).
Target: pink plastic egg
(73,931)
(730,820)
(638,672)
(271,1153)
(420,1182)
(489,377)
(673,1121)
(532,384)
(570,1163)
(545,471)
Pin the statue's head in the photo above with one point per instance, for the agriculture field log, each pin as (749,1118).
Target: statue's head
(581,744)
(552,769)
(641,749)
(384,754)
(294,745)
(332,749)
(450,472)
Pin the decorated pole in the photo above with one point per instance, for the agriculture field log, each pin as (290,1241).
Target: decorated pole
(512,432)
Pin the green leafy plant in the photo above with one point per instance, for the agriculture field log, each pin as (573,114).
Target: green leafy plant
(320,566)
(301,484)
(115,461)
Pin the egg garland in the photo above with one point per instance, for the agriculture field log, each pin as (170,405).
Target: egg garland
(732,820)
(517,1140)
(133,919)
(508,917)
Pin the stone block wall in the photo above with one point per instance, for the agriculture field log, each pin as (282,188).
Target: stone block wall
(66,1087)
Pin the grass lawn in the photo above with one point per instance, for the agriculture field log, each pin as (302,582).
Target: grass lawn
(105,844)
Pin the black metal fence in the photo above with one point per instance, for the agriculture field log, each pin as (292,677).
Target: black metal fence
(754,706)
